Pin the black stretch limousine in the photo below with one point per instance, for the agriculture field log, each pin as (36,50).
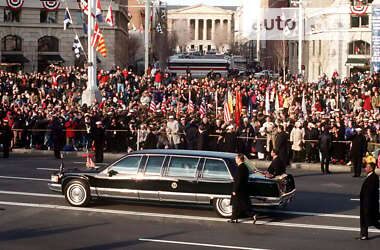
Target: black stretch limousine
(171,175)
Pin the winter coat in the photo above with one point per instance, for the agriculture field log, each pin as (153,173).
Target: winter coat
(297,137)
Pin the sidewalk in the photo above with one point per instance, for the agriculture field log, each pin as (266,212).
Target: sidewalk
(263,165)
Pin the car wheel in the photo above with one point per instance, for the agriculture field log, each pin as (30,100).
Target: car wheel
(77,193)
(223,207)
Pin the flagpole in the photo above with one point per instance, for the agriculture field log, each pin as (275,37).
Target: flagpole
(147,17)
(92,92)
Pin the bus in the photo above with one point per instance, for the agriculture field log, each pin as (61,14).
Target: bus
(198,66)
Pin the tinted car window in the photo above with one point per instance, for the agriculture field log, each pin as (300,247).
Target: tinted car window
(215,169)
(128,165)
(183,166)
(153,166)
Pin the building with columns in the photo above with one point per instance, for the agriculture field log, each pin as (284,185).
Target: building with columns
(33,37)
(201,27)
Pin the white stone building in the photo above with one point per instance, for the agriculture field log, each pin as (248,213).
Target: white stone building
(345,48)
(32,37)
(202,28)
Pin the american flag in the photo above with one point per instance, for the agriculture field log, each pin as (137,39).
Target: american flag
(227,112)
(203,109)
(89,162)
(164,106)
(190,107)
(152,107)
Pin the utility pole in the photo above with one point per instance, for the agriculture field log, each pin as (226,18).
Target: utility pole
(300,36)
(147,17)
(92,92)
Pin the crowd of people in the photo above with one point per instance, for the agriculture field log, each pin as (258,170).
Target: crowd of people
(156,110)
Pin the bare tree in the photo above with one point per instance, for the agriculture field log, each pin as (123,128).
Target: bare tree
(221,37)
(134,45)
(181,34)
(280,49)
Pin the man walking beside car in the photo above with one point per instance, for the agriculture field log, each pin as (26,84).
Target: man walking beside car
(369,201)
(99,141)
(240,200)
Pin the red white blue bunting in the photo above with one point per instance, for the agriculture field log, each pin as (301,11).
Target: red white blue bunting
(359,10)
(15,4)
(51,5)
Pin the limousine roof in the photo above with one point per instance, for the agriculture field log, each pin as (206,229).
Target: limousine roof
(198,153)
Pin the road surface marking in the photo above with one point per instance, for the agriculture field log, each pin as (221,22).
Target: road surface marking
(83,162)
(357,199)
(199,244)
(48,169)
(257,210)
(31,194)
(308,213)
(22,178)
(183,217)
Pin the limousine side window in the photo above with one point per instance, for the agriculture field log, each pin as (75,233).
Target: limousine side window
(127,165)
(215,169)
(183,167)
(153,166)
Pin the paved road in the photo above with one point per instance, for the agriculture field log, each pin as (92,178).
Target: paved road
(324,215)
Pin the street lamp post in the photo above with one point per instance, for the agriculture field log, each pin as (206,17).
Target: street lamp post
(92,92)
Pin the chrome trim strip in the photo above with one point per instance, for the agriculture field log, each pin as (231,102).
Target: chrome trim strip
(118,190)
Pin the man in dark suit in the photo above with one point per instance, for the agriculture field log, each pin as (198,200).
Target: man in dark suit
(240,200)
(99,141)
(282,145)
(6,136)
(277,167)
(325,145)
(358,150)
(369,202)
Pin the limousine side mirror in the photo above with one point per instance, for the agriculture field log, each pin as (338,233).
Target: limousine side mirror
(112,173)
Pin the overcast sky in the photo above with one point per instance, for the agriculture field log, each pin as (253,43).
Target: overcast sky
(209,2)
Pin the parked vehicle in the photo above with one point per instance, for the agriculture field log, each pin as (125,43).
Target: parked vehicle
(268,74)
(199,66)
(199,177)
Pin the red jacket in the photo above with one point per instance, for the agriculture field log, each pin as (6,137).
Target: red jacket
(158,77)
(70,126)
(367,103)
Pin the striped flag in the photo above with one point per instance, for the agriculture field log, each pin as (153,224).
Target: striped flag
(227,112)
(89,162)
(152,107)
(203,109)
(101,48)
(164,106)
(190,106)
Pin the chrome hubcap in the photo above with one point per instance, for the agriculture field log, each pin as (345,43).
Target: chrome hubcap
(77,194)
(225,206)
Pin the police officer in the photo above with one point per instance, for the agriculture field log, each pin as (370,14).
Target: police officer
(99,141)
(6,136)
